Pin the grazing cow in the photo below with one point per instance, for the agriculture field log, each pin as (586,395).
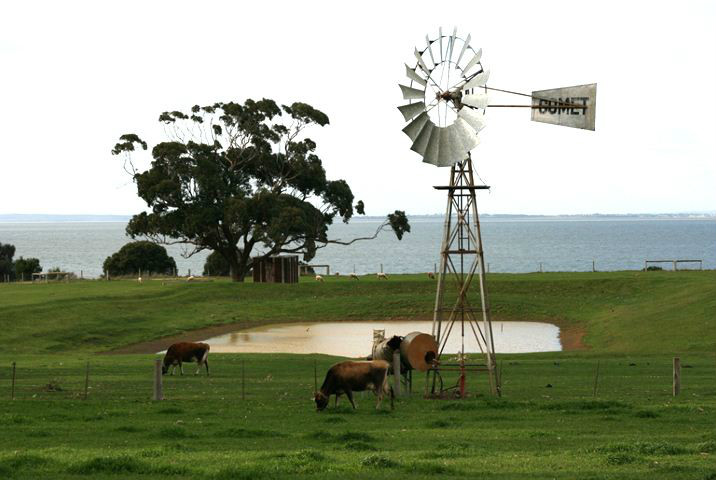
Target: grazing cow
(186,352)
(319,278)
(354,275)
(348,377)
(382,276)
(431,275)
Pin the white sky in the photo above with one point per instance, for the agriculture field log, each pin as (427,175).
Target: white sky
(74,76)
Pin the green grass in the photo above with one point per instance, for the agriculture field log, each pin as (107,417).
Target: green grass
(205,430)
(626,312)
(633,428)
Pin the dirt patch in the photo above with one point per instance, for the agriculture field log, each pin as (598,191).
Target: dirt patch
(571,338)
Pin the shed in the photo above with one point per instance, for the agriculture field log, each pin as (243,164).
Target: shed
(276,269)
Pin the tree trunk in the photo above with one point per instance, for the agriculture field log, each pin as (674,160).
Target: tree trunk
(237,265)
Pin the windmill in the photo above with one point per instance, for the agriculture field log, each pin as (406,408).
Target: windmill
(447,101)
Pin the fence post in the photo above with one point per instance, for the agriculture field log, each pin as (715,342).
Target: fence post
(86,380)
(243,379)
(540,267)
(596,380)
(12,394)
(677,376)
(396,373)
(158,394)
(381,268)
(594,267)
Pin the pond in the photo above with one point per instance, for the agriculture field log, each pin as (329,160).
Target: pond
(355,339)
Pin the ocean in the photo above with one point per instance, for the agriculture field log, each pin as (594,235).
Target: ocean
(512,244)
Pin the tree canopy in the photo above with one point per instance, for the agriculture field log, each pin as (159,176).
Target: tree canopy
(142,256)
(241,179)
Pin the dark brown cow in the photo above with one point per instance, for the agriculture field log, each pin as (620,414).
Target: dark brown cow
(348,377)
(186,352)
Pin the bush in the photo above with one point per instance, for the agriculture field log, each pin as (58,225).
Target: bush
(7,251)
(216,265)
(25,267)
(143,255)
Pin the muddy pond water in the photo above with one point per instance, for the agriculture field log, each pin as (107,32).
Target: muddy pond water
(354,339)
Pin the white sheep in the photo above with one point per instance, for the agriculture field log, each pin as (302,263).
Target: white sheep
(319,278)
(382,275)
(190,278)
(139,279)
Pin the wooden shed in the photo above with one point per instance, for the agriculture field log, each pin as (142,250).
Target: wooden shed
(276,269)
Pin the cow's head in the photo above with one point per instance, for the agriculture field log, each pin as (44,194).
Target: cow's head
(321,401)
(165,368)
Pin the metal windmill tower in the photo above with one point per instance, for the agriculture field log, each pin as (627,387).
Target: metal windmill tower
(447,100)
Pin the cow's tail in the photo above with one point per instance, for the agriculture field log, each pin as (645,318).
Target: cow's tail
(392,397)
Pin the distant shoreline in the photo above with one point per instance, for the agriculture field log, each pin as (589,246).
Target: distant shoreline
(40,218)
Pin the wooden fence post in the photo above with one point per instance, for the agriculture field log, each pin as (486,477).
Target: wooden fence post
(12,394)
(158,394)
(596,380)
(86,380)
(677,376)
(315,377)
(396,373)
(243,379)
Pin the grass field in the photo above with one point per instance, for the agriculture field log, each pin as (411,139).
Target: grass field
(548,424)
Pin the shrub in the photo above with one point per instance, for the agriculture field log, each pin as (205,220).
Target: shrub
(135,256)
(7,251)
(25,267)
(216,265)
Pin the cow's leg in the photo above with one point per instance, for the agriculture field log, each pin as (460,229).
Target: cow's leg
(336,403)
(206,364)
(349,394)
(174,368)
(181,368)
(379,393)
(198,368)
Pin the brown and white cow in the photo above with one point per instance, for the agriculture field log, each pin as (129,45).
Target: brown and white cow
(350,376)
(186,352)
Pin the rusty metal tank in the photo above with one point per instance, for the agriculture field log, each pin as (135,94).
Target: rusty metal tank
(417,350)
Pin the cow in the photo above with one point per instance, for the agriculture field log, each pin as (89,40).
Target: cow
(351,376)
(186,352)
(319,278)
(431,275)
(382,276)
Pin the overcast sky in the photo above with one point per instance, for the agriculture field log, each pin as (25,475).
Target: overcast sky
(74,76)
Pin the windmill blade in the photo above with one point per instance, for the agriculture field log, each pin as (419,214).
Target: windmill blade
(462,52)
(466,134)
(412,93)
(479,80)
(477,100)
(411,110)
(433,148)
(451,43)
(411,74)
(421,62)
(440,36)
(449,149)
(413,128)
(473,62)
(475,119)
(421,142)
(430,49)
